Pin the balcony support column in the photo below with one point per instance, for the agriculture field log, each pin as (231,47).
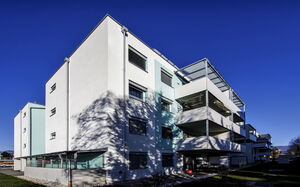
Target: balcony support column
(207,128)
(207,104)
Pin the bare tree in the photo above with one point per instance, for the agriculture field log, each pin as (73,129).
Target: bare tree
(294,147)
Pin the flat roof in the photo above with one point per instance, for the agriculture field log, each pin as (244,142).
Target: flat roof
(66,152)
(198,70)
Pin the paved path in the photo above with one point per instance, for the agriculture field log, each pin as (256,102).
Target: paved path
(10,171)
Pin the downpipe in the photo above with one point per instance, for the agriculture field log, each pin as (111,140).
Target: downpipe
(124,32)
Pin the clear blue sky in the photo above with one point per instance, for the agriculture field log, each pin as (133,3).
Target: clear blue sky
(253,44)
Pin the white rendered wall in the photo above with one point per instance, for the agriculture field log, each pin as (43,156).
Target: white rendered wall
(25,136)
(57,122)
(17,136)
(87,80)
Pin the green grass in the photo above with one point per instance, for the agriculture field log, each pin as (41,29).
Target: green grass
(10,181)
(284,175)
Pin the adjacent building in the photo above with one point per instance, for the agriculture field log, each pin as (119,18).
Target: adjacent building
(118,110)
(29,133)
(263,147)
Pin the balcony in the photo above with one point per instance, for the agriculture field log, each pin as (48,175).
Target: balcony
(201,75)
(262,145)
(252,137)
(208,143)
(206,113)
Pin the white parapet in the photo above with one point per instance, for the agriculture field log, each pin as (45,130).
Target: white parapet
(205,84)
(252,137)
(210,143)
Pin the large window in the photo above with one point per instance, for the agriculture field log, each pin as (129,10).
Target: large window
(137,58)
(137,92)
(166,132)
(90,160)
(138,126)
(166,105)
(138,160)
(166,78)
(167,160)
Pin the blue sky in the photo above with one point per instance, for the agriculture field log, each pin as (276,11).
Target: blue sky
(253,44)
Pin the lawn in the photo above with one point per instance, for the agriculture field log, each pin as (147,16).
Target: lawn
(270,174)
(10,181)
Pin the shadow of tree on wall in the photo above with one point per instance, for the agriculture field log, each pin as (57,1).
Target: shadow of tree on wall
(104,124)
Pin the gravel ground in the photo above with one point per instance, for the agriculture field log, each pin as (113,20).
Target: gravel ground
(19,174)
(42,182)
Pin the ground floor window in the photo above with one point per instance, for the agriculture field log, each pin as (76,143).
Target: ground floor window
(167,160)
(83,161)
(89,161)
(137,160)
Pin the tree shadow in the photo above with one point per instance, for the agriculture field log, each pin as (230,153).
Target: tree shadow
(104,124)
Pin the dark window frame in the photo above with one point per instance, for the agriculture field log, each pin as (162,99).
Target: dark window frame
(52,88)
(143,91)
(52,135)
(53,111)
(141,131)
(138,160)
(133,51)
(166,75)
(167,135)
(169,103)
(167,159)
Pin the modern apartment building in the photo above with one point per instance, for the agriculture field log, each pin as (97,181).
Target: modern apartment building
(118,106)
(263,147)
(29,133)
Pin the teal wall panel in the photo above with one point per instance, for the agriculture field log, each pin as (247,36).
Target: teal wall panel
(37,130)
(164,117)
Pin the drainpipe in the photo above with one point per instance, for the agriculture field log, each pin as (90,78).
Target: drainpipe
(124,32)
(67,60)
(69,173)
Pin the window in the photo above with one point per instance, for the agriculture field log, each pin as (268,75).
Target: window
(53,87)
(53,111)
(90,160)
(166,132)
(166,105)
(137,92)
(137,126)
(166,78)
(52,135)
(137,160)
(167,160)
(137,58)
(24,115)
(24,130)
